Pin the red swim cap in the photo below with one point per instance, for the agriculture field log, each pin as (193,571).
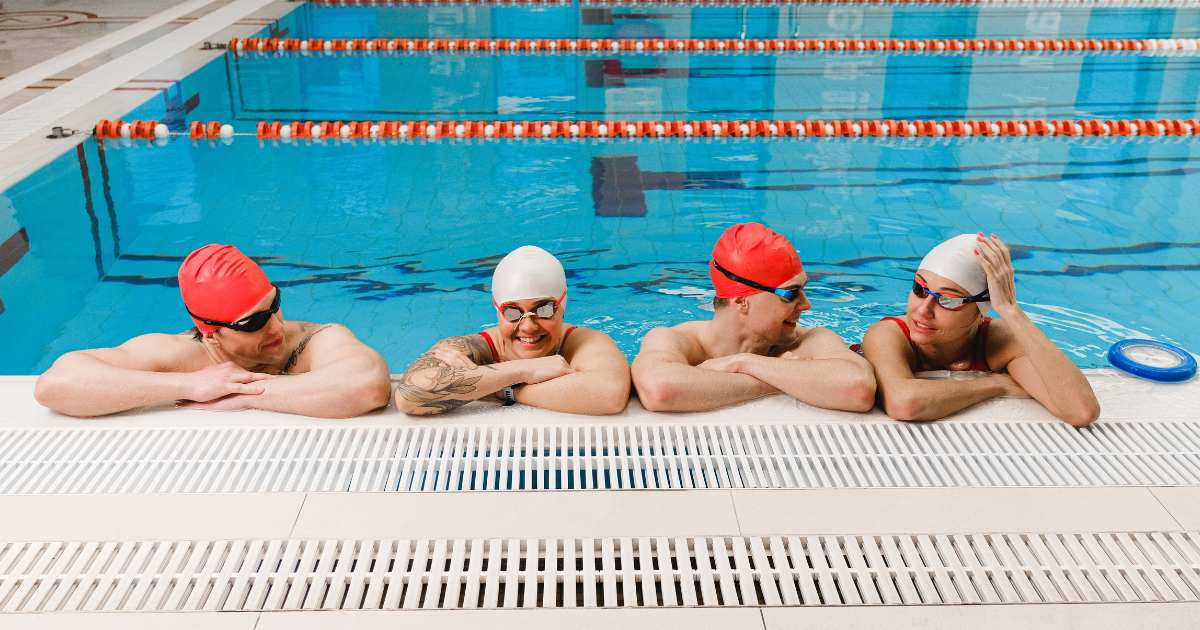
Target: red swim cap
(219,282)
(754,252)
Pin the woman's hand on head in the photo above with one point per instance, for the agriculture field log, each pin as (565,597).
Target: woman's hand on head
(996,261)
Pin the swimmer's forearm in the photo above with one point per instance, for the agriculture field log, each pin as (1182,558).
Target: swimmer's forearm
(344,389)
(926,399)
(826,383)
(442,388)
(1068,394)
(83,386)
(677,387)
(596,393)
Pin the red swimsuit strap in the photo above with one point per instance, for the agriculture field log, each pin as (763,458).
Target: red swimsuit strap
(979,361)
(496,354)
(979,358)
(492,345)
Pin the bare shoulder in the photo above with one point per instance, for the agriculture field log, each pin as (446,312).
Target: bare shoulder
(681,342)
(474,346)
(320,343)
(156,352)
(814,343)
(588,340)
(1002,346)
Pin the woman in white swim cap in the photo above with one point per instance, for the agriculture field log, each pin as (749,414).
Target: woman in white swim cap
(946,327)
(531,356)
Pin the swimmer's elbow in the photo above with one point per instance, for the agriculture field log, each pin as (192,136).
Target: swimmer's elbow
(414,408)
(1082,415)
(53,392)
(374,393)
(860,394)
(612,400)
(656,394)
(903,406)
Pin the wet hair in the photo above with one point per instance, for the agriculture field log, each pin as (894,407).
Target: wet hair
(720,303)
(196,334)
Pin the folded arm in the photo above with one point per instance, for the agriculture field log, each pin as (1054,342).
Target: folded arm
(1041,368)
(906,397)
(599,384)
(436,383)
(822,372)
(1028,355)
(345,378)
(665,380)
(138,373)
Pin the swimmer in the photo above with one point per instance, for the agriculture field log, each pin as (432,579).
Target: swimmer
(530,356)
(753,346)
(241,354)
(946,327)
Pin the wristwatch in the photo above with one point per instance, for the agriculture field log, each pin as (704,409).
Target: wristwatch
(510,396)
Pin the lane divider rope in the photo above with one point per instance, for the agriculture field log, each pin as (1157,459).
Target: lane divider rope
(714,46)
(599,129)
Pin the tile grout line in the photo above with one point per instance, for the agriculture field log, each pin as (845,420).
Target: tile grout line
(733,505)
(1165,508)
(299,511)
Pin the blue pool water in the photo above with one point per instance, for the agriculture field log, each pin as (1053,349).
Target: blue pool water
(397,240)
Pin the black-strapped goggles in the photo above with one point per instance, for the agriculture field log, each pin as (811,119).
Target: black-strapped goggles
(949,302)
(788,294)
(253,322)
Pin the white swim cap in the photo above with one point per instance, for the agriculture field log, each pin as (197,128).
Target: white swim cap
(955,260)
(528,273)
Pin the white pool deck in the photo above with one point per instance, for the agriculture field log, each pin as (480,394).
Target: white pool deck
(791,516)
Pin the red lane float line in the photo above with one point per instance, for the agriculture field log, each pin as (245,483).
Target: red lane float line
(661,45)
(750,128)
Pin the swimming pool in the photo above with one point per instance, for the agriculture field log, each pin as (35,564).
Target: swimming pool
(397,240)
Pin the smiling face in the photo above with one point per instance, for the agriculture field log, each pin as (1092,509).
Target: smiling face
(263,346)
(933,324)
(773,320)
(532,337)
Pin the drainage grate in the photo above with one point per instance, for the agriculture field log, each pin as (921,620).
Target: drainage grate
(266,575)
(464,458)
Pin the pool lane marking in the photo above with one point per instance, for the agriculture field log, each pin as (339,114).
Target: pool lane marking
(37,73)
(41,113)
(635,129)
(726,46)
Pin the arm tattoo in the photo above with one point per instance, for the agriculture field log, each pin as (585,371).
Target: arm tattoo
(446,379)
(473,346)
(295,356)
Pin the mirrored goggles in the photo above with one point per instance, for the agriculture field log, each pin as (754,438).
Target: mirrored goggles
(948,302)
(515,315)
(788,294)
(253,322)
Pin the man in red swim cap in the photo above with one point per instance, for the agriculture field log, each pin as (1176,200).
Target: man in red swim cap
(241,354)
(752,346)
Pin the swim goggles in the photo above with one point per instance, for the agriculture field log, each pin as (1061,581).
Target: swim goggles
(948,302)
(250,323)
(546,310)
(787,294)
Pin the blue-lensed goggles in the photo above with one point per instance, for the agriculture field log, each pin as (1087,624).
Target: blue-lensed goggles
(787,294)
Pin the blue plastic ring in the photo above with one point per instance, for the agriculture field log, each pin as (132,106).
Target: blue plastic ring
(1174,374)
